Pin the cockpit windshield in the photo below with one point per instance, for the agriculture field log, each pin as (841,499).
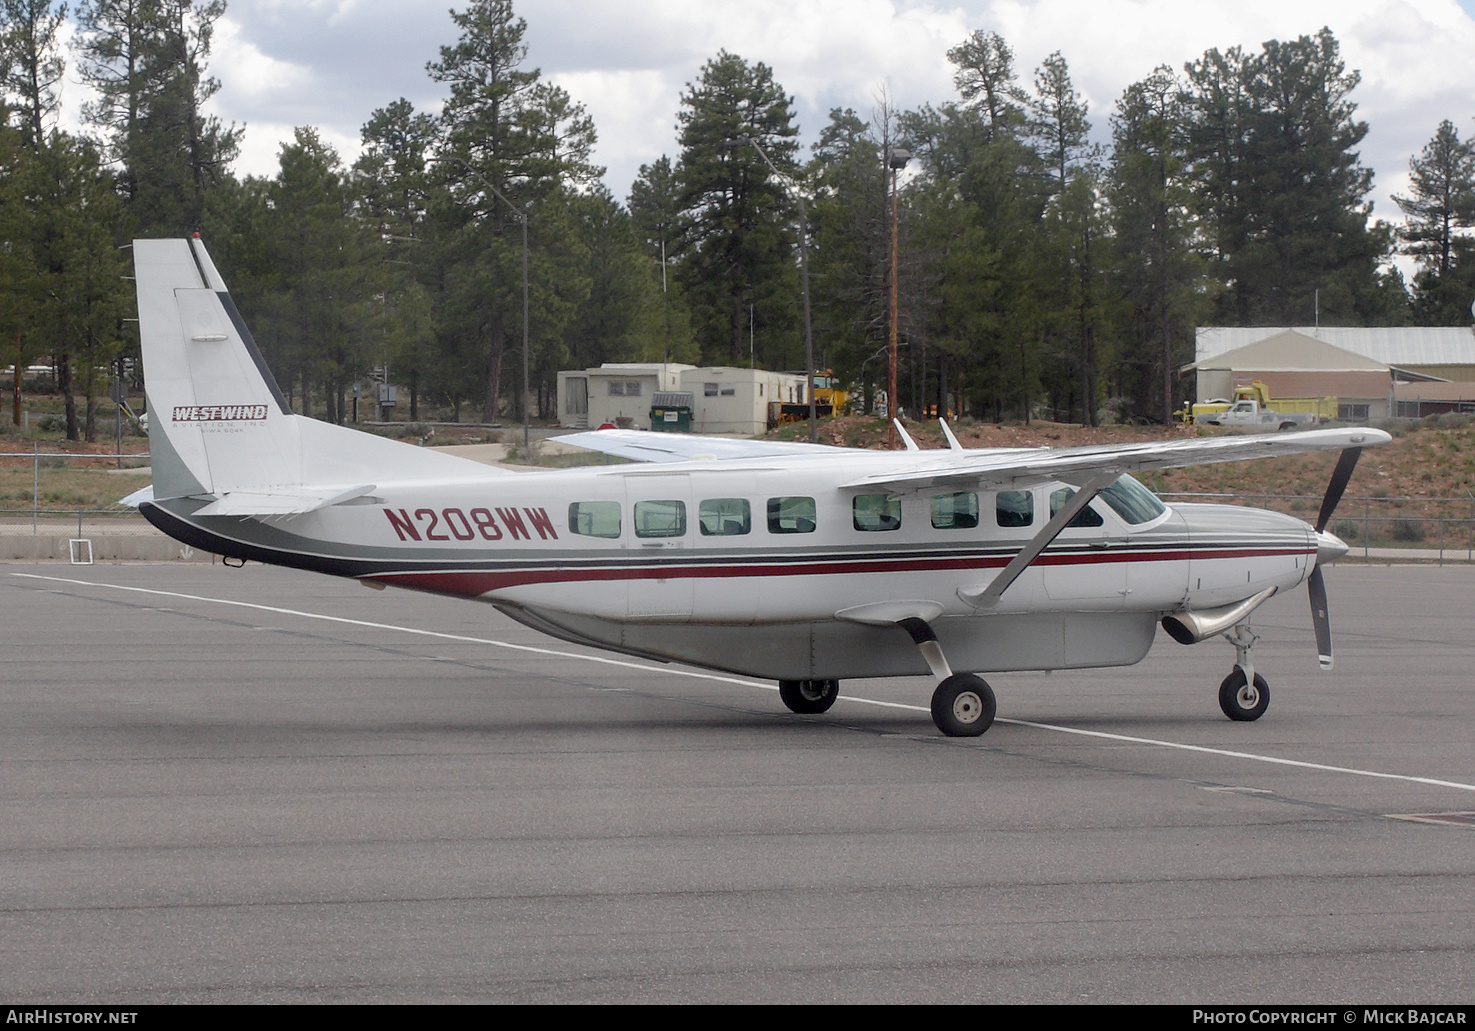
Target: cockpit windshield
(1132,501)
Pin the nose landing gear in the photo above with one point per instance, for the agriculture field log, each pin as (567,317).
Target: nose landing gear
(1244,695)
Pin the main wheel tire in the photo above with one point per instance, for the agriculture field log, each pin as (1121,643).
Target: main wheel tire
(808,697)
(1241,702)
(963,705)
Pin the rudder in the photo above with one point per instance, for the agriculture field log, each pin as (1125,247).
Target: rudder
(217,420)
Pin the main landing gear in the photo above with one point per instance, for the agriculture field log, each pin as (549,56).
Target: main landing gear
(963,704)
(808,697)
(1244,696)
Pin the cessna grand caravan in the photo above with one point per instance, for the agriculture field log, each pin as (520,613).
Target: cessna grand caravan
(800,563)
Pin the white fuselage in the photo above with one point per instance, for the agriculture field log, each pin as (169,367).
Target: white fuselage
(759,566)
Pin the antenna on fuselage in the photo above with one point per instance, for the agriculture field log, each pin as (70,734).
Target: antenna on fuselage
(952,441)
(905,437)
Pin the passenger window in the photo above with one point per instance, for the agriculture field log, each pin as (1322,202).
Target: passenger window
(790,515)
(594,518)
(876,512)
(725,517)
(1017,508)
(955,511)
(1087,516)
(660,518)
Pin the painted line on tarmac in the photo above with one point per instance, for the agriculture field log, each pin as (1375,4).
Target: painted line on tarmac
(624,664)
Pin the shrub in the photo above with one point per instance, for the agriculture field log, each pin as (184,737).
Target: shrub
(1407,530)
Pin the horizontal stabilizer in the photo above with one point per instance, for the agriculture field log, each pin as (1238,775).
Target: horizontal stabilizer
(282,501)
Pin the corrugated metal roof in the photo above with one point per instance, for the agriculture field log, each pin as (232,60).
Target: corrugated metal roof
(1414,345)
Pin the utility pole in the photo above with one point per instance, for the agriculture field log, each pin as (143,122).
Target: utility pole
(896,158)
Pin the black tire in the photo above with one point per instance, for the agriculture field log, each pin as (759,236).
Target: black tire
(1287,426)
(808,697)
(1240,704)
(963,705)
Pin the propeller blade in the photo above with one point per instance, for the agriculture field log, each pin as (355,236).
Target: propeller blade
(1316,587)
(1340,475)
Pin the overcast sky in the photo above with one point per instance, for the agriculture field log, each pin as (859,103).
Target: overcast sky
(329,63)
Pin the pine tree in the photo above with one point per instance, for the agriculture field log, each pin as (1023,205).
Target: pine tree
(505,131)
(1442,203)
(656,219)
(850,250)
(737,248)
(116,48)
(985,78)
(147,60)
(1272,139)
(33,64)
(392,188)
(1162,277)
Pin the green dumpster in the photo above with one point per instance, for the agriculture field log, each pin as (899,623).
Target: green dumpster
(670,411)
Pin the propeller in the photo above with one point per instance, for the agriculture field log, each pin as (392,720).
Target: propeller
(1329,549)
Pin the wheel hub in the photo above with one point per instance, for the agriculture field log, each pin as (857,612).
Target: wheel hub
(1248,696)
(967,707)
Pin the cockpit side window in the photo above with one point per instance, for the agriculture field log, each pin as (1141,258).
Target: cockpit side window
(1132,501)
(1086,517)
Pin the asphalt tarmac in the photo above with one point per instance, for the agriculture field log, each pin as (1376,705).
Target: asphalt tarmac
(417,800)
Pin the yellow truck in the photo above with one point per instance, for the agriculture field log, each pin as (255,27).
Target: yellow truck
(1254,408)
(830,399)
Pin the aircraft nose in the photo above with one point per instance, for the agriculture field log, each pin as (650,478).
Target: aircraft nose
(1329,547)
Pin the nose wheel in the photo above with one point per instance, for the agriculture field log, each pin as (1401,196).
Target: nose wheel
(1244,700)
(1244,696)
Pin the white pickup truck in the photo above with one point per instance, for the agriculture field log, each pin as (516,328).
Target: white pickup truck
(1248,415)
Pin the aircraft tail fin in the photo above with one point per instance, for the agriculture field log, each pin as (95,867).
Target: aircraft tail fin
(219,424)
(217,420)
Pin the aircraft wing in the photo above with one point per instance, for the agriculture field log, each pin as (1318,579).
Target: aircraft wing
(646,446)
(1005,468)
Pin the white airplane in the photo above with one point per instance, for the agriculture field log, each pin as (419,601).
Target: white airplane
(800,563)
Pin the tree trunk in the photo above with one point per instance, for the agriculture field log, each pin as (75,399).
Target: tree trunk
(64,384)
(492,407)
(19,371)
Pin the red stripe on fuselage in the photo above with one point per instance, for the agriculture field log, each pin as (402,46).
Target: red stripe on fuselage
(472,583)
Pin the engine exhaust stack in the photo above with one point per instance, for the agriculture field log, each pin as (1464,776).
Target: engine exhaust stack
(1192,627)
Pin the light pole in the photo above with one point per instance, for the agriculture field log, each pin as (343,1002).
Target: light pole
(896,159)
(522,216)
(739,141)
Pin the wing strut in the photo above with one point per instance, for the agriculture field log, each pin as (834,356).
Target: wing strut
(982,598)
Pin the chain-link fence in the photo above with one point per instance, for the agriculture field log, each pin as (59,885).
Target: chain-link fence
(51,500)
